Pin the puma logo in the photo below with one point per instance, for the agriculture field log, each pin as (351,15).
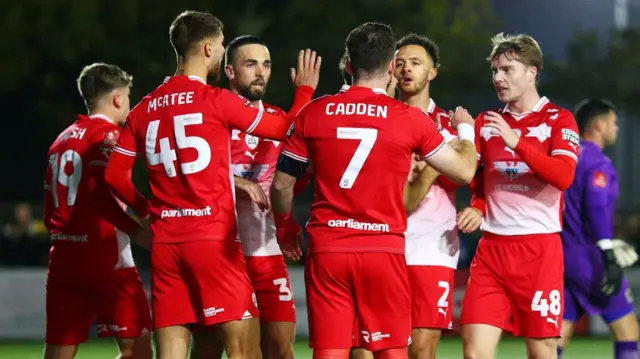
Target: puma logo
(553,321)
(251,155)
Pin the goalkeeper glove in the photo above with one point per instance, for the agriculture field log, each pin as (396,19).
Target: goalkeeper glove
(612,281)
(625,253)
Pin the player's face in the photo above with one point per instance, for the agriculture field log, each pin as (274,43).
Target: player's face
(414,69)
(611,128)
(215,52)
(250,71)
(512,78)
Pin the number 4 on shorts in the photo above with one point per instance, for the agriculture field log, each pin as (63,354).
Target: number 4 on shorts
(544,306)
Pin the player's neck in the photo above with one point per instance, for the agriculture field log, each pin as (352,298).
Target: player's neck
(191,68)
(525,103)
(420,99)
(105,112)
(594,138)
(372,83)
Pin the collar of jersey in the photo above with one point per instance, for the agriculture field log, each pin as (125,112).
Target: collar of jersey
(432,106)
(376,90)
(194,78)
(101,117)
(536,108)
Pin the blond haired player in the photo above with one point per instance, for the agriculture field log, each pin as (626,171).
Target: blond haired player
(527,153)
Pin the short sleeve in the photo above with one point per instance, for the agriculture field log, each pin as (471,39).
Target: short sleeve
(126,144)
(236,111)
(428,139)
(295,146)
(103,145)
(565,140)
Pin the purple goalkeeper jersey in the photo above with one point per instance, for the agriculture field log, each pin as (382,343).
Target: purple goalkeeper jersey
(589,207)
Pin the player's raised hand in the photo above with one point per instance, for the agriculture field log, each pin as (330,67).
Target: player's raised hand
(469,220)
(308,71)
(501,128)
(460,116)
(253,191)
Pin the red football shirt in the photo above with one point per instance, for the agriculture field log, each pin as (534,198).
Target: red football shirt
(183,128)
(79,211)
(518,201)
(360,143)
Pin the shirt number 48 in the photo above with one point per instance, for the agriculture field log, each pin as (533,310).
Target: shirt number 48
(544,306)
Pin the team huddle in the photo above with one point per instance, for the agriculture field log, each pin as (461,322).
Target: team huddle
(224,168)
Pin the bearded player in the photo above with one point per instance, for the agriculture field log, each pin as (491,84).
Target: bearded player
(248,67)
(91,270)
(432,246)
(528,152)
(183,129)
(594,276)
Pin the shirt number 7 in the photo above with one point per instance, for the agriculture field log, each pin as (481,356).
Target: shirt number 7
(367,137)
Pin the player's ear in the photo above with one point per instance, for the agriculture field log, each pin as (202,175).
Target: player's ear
(116,100)
(532,72)
(347,65)
(208,48)
(392,66)
(433,73)
(228,70)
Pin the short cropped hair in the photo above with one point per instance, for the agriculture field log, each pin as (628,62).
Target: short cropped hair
(429,46)
(342,65)
(99,79)
(371,47)
(235,44)
(524,48)
(191,27)
(589,110)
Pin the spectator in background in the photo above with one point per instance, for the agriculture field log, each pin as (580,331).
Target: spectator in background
(23,242)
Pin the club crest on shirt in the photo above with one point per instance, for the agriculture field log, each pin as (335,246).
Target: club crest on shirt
(599,179)
(251,141)
(108,143)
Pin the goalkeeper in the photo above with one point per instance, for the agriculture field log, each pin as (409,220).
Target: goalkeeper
(594,260)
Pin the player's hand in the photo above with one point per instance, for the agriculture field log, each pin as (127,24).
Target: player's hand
(293,249)
(142,236)
(501,128)
(469,220)
(612,280)
(308,70)
(253,191)
(460,116)
(625,253)
(417,166)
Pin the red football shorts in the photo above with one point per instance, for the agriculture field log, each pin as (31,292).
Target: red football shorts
(116,298)
(270,281)
(431,296)
(200,282)
(373,285)
(516,283)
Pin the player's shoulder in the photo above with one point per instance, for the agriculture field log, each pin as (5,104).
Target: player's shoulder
(272,109)
(316,104)
(555,112)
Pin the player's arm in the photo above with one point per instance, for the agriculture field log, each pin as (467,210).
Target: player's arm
(457,165)
(556,168)
(470,218)
(599,212)
(417,188)
(239,114)
(118,172)
(292,164)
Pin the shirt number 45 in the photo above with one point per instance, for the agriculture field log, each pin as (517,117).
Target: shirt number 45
(544,306)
